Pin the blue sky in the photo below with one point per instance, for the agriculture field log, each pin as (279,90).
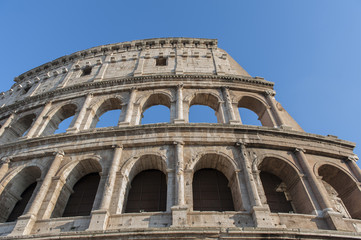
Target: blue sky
(310,49)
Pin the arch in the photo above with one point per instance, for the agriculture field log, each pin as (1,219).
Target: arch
(342,189)
(109,104)
(259,107)
(15,185)
(18,128)
(147,166)
(57,116)
(285,178)
(70,175)
(154,100)
(225,166)
(207,99)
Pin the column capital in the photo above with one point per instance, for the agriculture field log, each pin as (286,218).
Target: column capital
(5,160)
(241,143)
(271,93)
(353,158)
(117,146)
(178,143)
(296,150)
(180,85)
(58,152)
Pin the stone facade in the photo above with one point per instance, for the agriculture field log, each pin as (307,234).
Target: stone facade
(318,175)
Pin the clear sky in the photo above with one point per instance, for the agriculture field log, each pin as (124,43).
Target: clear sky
(310,49)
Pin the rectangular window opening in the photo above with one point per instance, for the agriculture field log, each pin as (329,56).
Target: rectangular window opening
(161,61)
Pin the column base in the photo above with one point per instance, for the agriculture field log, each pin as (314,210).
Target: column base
(24,225)
(335,221)
(179,216)
(234,122)
(261,217)
(98,220)
(178,121)
(72,130)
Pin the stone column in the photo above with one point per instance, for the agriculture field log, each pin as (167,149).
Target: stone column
(180,117)
(179,212)
(81,114)
(7,123)
(260,214)
(33,130)
(229,107)
(351,162)
(315,184)
(26,222)
(130,106)
(271,101)
(170,189)
(333,219)
(99,218)
(123,186)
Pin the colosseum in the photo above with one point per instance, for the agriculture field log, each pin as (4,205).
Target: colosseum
(172,180)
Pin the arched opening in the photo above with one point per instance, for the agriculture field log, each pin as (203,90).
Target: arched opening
(80,202)
(249,117)
(156,109)
(64,125)
(214,167)
(276,193)
(259,108)
(342,189)
(156,114)
(202,114)
(148,192)
(55,126)
(204,108)
(18,129)
(77,195)
(20,206)
(211,191)
(281,182)
(109,119)
(17,194)
(107,114)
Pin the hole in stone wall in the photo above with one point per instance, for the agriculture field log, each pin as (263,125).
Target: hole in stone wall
(202,114)
(86,71)
(248,117)
(156,114)
(109,119)
(161,61)
(26,89)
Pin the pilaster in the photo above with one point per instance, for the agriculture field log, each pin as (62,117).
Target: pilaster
(260,214)
(180,117)
(25,223)
(81,114)
(99,217)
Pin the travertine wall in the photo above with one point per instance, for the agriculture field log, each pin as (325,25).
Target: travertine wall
(125,76)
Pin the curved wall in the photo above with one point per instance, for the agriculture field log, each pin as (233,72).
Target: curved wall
(177,73)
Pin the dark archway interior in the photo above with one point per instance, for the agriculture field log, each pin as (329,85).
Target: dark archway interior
(211,191)
(81,201)
(148,192)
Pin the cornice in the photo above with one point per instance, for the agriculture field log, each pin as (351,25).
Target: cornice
(227,134)
(131,80)
(122,46)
